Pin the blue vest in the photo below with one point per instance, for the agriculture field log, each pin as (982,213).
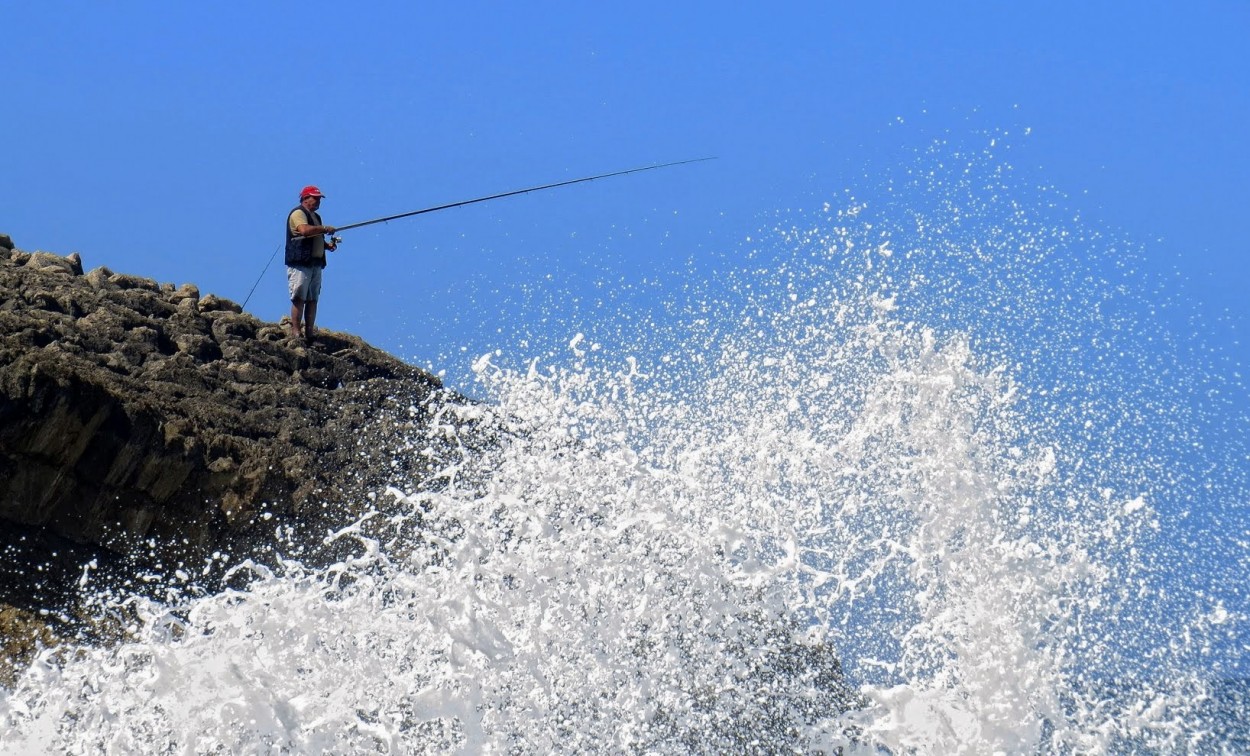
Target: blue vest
(299,249)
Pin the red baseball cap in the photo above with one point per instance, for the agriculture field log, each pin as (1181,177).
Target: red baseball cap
(310,191)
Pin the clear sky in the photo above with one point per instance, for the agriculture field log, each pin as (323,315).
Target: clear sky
(169,139)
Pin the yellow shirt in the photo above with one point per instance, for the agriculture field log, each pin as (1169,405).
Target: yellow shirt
(300,218)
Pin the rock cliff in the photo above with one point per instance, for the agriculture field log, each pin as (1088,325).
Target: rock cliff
(145,428)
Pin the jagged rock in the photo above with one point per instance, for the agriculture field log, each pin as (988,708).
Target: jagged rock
(145,425)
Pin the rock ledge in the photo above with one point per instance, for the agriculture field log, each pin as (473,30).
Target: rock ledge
(151,425)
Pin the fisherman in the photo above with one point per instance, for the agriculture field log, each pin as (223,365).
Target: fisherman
(306,247)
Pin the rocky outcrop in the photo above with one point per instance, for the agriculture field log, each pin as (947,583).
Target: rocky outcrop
(152,426)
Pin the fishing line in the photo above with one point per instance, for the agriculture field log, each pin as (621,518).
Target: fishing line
(262,274)
(475,200)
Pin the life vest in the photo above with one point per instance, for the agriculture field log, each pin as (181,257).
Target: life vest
(299,249)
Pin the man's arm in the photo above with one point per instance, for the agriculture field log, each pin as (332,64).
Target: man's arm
(304,229)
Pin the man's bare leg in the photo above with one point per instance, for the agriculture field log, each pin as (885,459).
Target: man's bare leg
(297,316)
(310,317)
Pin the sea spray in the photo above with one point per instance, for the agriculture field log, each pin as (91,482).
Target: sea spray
(881,489)
(639,573)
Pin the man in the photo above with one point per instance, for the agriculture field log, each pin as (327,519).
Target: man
(305,258)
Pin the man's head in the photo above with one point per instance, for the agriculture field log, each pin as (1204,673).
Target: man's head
(310,196)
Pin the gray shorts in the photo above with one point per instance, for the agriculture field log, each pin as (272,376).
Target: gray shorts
(303,283)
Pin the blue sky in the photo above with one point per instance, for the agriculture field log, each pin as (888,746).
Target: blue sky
(168,140)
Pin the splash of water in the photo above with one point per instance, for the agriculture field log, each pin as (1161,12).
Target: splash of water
(873,496)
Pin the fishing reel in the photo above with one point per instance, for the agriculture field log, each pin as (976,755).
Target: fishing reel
(336,240)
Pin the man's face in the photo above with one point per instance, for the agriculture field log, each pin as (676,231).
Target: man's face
(312,203)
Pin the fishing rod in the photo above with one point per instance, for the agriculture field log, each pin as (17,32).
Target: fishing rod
(514,192)
(462,203)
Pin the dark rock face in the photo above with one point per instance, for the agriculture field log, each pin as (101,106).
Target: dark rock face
(140,418)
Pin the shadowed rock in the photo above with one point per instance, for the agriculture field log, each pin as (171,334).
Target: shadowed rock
(145,427)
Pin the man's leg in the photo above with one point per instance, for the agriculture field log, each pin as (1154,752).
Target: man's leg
(297,313)
(310,301)
(297,286)
(310,317)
